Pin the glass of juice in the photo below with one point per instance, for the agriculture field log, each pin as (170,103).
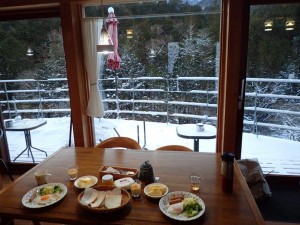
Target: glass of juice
(195,182)
(136,189)
(73,171)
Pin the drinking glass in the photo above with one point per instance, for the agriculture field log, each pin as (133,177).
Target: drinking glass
(73,171)
(136,189)
(195,182)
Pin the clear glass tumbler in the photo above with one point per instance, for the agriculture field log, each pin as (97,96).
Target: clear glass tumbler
(136,189)
(195,182)
(73,171)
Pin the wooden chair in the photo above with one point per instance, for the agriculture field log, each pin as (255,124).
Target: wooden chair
(174,148)
(121,142)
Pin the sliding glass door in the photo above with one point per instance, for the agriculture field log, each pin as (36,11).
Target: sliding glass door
(272,91)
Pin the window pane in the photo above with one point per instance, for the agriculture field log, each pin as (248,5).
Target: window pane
(272,93)
(169,69)
(33,83)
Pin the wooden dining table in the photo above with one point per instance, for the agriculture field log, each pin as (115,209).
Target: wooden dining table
(172,168)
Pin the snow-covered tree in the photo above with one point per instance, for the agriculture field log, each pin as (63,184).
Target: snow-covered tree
(196,55)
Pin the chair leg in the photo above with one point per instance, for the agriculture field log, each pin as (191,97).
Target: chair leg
(7,170)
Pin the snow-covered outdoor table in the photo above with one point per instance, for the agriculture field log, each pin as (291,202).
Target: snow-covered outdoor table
(27,125)
(191,131)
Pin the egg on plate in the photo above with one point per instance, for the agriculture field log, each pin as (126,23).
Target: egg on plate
(46,199)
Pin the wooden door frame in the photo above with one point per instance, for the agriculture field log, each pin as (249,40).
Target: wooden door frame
(233,65)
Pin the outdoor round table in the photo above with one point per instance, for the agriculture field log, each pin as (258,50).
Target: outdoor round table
(27,125)
(191,131)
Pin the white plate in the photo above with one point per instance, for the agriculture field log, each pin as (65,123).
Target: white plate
(26,197)
(94,180)
(164,204)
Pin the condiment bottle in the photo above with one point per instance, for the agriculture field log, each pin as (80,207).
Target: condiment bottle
(108,180)
(227,171)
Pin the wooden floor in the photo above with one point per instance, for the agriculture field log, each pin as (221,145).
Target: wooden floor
(6,181)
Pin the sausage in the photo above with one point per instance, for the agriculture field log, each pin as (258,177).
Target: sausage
(177,196)
(175,200)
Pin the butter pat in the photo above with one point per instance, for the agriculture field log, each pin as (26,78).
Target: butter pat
(125,183)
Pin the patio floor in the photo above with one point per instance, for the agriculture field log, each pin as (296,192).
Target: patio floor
(276,156)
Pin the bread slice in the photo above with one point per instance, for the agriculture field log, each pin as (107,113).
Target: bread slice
(89,196)
(99,200)
(112,201)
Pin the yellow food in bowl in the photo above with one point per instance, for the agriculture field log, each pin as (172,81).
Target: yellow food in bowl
(156,190)
(85,182)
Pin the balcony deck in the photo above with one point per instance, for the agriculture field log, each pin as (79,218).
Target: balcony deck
(276,156)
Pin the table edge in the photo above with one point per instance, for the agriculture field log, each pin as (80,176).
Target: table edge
(25,129)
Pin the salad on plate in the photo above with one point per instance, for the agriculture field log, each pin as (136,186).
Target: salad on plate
(44,195)
(183,206)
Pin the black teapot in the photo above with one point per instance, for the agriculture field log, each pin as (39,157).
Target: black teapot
(146,173)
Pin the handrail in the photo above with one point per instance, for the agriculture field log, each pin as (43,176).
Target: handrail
(205,104)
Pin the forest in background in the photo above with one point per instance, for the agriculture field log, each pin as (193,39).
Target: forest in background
(194,28)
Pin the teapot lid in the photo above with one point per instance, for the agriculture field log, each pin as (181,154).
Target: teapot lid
(146,164)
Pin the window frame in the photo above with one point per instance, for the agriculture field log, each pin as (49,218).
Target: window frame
(233,61)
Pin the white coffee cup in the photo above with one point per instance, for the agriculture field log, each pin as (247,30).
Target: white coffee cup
(42,176)
(200,126)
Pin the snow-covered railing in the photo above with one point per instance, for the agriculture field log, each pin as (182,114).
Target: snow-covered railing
(273,125)
(40,95)
(258,109)
(272,80)
(29,96)
(37,100)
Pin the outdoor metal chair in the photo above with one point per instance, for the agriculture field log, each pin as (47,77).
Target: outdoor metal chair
(2,163)
(121,142)
(174,148)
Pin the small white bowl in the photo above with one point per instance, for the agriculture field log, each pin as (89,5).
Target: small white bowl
(161,187)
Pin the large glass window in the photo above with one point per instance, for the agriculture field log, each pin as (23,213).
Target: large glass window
(34,85)
(169,69)
(272,103)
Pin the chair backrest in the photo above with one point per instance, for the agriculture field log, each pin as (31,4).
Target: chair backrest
(121,142)
(3,164)
(175,148)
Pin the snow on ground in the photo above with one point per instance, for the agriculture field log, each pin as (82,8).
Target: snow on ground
(276,154)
